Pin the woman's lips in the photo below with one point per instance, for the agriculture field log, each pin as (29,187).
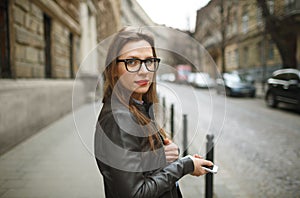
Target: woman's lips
(142,82)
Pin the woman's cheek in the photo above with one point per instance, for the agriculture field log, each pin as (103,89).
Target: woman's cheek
(127,81)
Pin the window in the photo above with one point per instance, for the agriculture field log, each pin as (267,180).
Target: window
(294,76)
(71,42)
(260,51)
(228,61)
(246,55)
(5,71)
(232,59)
(283,76)
(271,50)
(234,23)
(236,56)
(47,36)
(259,15)
(245,19)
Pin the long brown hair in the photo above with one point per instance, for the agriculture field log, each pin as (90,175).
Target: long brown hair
(124,36)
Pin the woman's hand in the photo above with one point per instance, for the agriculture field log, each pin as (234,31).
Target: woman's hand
(198,163)
(171,150)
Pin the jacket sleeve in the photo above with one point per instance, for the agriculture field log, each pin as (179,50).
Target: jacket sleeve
(127,170)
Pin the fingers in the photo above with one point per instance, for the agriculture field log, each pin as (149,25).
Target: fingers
(207,163)
(171,151)
(198,163)
(171,158)
(167,141)
(173,148)
(198,156)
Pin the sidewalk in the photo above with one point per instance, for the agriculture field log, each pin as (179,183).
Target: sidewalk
(55,163)
(52,163)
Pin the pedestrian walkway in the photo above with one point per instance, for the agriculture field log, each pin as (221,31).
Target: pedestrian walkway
(52,163)
(57,162)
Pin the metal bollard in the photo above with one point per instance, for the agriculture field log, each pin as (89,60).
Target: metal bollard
(209,176)
(164,110)
(185,151)
(172,121)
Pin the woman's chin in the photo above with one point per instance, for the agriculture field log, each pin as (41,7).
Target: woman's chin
(141,90)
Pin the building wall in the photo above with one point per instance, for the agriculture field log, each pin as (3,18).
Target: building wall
(207,32)
(30,100)
(134,15)
(231,57)
(27,106)
(109,18)
(61,51)
(29,43)
(247,46)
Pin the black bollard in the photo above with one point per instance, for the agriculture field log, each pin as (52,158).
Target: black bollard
(209,176)
(164,110)
(185,149)
(172,121)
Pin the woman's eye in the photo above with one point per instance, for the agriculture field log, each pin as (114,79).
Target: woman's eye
(132,62)
(149,61)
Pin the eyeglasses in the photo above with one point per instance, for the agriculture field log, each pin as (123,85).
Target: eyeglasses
(135,64)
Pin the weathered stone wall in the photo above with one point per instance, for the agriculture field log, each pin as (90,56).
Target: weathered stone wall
(109,18)
(29,105)
(29,102)
(29,45)
(60,51)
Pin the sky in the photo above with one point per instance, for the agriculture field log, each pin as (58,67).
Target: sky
(179,14)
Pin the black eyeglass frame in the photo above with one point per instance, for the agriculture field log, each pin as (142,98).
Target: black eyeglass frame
(141,62)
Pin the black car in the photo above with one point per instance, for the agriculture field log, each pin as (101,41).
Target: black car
(235,84)
(284,86)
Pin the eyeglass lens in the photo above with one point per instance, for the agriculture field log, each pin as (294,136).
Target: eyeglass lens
(134,65)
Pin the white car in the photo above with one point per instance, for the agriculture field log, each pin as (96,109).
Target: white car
(169,77)
(203,80)
(191,78)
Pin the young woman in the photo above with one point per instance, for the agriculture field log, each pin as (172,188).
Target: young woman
(133,154)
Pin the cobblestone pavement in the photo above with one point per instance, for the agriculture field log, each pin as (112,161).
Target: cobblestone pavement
(256,146)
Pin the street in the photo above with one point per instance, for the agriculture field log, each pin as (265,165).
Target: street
(256,149)
(256,145)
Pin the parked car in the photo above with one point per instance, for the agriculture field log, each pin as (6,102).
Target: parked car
(191,78)
(235,84)
(283,86)
(169,77)
(203,80)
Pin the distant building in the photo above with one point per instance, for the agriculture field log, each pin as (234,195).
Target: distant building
(247,47)
(134,15)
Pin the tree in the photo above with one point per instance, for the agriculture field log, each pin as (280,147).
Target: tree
(283,31)
(223,34)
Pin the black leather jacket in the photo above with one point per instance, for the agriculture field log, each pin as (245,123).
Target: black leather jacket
(124,157)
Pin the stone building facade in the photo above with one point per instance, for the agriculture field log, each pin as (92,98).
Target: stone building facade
(43,39)
(248,48)
(43,44)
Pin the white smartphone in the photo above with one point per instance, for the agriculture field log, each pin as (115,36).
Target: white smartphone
(211,169)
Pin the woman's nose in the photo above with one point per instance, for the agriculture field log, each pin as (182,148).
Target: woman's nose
(143,69)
